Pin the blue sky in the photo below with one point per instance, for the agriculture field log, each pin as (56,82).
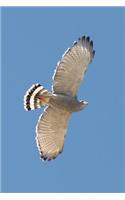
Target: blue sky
(0,98)
(33,40)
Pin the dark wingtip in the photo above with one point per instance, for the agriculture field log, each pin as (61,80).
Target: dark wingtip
(83,37)
(88,43)
(87,38)
(93,53)
(45,158)
(91,44)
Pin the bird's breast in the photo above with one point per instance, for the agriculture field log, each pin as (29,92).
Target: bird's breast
(65,102)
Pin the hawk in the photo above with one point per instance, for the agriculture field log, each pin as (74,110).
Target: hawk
(62,100)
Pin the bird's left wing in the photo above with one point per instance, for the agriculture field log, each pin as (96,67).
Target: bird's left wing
(50,132)
(72,67)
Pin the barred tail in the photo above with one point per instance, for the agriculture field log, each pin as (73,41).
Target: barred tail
(36,97)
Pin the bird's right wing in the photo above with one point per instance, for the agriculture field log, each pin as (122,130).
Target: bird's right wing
(50,132)
(72,67)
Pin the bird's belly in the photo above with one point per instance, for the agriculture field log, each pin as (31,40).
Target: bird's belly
(64,102)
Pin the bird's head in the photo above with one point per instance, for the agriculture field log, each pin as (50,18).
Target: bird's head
(83,104)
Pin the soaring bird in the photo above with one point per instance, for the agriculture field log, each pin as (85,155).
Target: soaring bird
(62,101)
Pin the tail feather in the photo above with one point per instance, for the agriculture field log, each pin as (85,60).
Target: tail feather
(36,97)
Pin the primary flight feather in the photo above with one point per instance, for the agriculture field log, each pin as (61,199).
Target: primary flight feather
(62,101)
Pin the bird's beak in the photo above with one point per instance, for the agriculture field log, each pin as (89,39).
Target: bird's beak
(85,103)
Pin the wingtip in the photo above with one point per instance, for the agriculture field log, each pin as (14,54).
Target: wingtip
(88,43)
(88,39)
(45,158)
(93,53)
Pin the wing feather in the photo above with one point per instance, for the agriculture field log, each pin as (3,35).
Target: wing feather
(50,132)
(72,67)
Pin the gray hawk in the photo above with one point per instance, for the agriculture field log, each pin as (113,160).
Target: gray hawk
(62,100)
